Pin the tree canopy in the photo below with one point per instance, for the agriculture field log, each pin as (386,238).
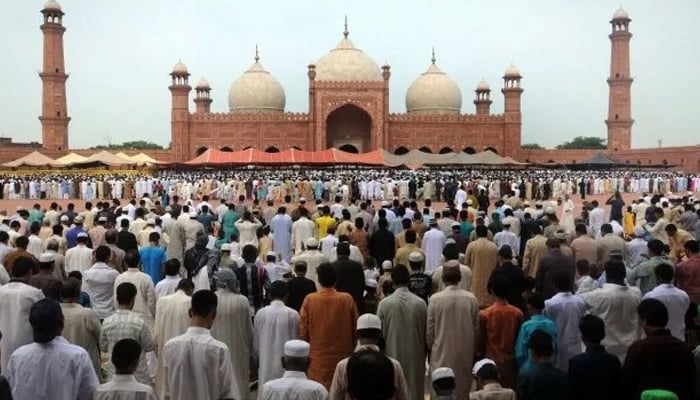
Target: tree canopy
(584,142)
(532,146)
(134,145)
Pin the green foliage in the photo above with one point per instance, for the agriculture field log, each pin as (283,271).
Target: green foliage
(584,142)
(532,146)
(135,145)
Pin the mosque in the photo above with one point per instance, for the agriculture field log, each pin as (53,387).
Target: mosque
(348,108)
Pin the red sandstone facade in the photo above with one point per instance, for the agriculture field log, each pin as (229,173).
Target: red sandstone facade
(352,114)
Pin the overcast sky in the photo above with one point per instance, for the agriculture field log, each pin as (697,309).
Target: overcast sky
(119,54)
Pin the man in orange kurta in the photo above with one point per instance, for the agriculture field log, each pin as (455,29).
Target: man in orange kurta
(328,320)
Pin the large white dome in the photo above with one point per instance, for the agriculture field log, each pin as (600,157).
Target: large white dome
(434,92)
(347,63)
(256,91)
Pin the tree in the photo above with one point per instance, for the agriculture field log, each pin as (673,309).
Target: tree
(584,142)
(134,145)
(532,146)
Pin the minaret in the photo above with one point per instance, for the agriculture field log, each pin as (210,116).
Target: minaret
(180,115)
(54,110)
(620,120)
(511,111)
(483,98)
(202,98)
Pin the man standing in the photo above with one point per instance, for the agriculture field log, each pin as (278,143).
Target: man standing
(313,258)
(351,278)
(125,357)
(450,255)
(688,272)
(642,274)
(97,233)
(327,322)
(482,258)
(281,227)
(64,370)
(98,283)
(275,325)
(196,357)
(453,329)
(16,300)
(615,304)
(553,264)
(660,361)
(584,246)
(382,244)
(403,316)
(145,301)
(153,258)
(675,300)
(172,319)
(535,249)
(300,286)
(234,329)
(566,311)
(126,324)
(596,218)
(79,257)
(433,243)
(294,384)
(81,326)
(609,243)
(302,230)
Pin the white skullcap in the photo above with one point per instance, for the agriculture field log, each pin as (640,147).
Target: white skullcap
(296,348)
(271,254)
(226,247)
(82,235)
(385,203)
(369,321)
(550,210)
(302,199)
(311,242)
(371,283)
(102,219)
(450,241)
(469,202)
(168,209)
(415,256)
(442,373)
(387,264)
(47,257)
(639,231)
(479,364)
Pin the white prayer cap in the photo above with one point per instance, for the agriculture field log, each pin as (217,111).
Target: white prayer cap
(82,235)
(385,203)
(311,242)
(387,265)
(479,364)
(296,348)
(415,256)
(369,321)
(371,283)
(226,247)
(78,220)
(302,199)
(193,214)
(639,232)
(442,373)
(450,241)
(151,221)
(47,257)
(102,219)
(271,254)
(168,209)
(550,210)
(469,202)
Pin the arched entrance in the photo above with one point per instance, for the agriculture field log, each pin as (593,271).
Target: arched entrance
(491,149)
(348,148)
(272,149)
(201,150)
(400,151)
(445,150)
(469,150)
(349,125)
(425,149)
(227,149)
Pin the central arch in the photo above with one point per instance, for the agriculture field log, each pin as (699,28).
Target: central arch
(348,148)
(351,126)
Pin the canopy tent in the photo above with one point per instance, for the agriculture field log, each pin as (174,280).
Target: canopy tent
(413,159)
(33,159)
(144,159)
(69,159)
(106,158)
(599,160)
(124,156)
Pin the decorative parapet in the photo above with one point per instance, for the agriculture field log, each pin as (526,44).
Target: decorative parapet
(453,118)
(251,117)
(357,85)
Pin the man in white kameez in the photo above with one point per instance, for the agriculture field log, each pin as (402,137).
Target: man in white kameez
(281,228)
(566,311)
(302,229)
(294,385)
(197,366)
(233,327)
(433,243)
(172,319)
(16,300)
(403,316)
(275,325)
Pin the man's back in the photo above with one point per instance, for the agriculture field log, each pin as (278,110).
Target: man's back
(299,288)
(294,385)
(124,387)
(351,280)
(543,382)
(197,366)
(16,299)
(56,370)
(172,319)
(145,301)
(594,374)
(81,327)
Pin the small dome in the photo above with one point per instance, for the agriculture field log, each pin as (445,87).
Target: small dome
(347,63)
(52,5)
(512,72)
(256,91)
(620,14)
(202,83)
(483,86)
(179,68)
(434,92)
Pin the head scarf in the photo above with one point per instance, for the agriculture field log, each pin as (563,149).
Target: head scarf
(226,279)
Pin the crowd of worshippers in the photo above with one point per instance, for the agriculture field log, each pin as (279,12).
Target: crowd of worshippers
(342,301)
(364,183)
